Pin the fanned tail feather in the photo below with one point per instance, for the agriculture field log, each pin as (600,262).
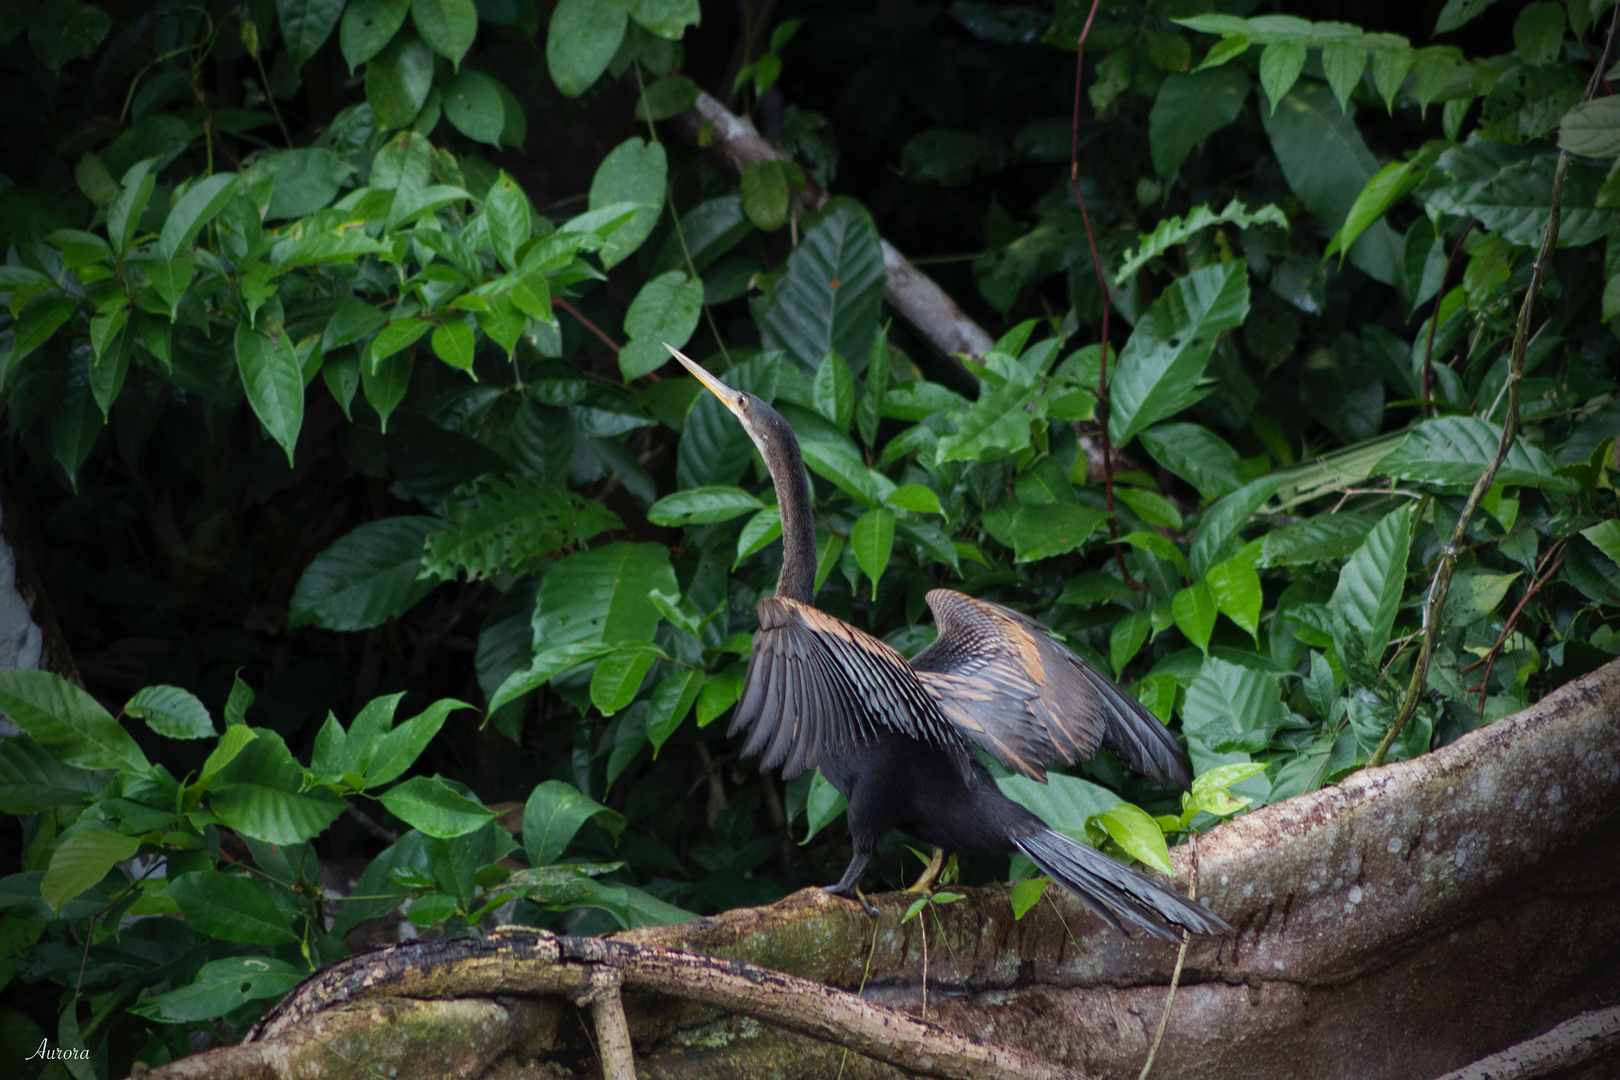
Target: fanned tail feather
(1114,891)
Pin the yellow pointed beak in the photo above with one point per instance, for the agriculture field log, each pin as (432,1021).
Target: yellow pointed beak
(726,394)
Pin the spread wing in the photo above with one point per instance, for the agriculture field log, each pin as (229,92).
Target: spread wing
(817,686)
(1027,699)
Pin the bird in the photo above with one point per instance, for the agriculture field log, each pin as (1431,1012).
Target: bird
(897,738)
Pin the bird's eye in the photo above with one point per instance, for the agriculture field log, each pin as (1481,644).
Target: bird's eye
(742,403)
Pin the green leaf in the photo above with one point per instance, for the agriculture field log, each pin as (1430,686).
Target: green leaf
(822,805)
(448,26)
(32,780)
(1189,108)
(1126,639)
(1457,449)
(1218,527)
(305,26)
(996,425)
(872,537)
(511,525)
(397,335)
(1231,709)
(69,723)
(506,212)
(125,211)
(230,907)
(221,987)
(61,32)
(354,319)
(1388,186)
(664,312)
(833,391)
(196,208)
(1137,834)
(1197,455)
(1026,894)
(720,692)
(236,737)
(1327,164)
(618,676)
(473,103)
(547,665)
(172,712)
(669,96)
(1044,530)
(1280,65)
(365,578)
(305,181)
(1194,610)
(581,40)
(829,299)
(385,384)
(433,807)
(672,700)
(261,794)
(603,595)
(1592,128)
(1150,506)
(1237,592)
(398,80)
(81,861)
(1458,12)
(1321,538)
(554,813)
(1508,189)
(274,383)
(1342,63)
(1369,590)
(633,172)
(397,750)
(761,529)
(702,506)
(767,192)
(710,230)
(668,18)
(453,343)
(1176,230)
(38,322)
(1063,802)
(917,498)
(367,26)
(1538,33)
(1605,536)
(1161,364)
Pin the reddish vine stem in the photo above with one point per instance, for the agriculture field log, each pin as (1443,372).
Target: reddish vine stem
(1434,320)
(1107,302)
(1507,628)
(559,302)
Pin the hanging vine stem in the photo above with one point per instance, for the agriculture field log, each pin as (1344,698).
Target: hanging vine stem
(1107,302)
(1441,584)
(1434,321)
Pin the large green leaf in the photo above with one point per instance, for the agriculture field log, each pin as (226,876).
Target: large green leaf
(196,208)
(231,907)
(398,80)
(367,26)
(614,684)
(708,231)
(831,296)
(602,595)
(397,750)
(1327,164)
(365,578)
(473,103)
(67,722)
(82,860)
(582,38)
(125,211)
(1197,455)
(1321,538)
(434,808)
(261,794)
(171,711)
(554,813)
(1508,190)
(1189,108)
(872,539)
(997,425)
(1137,834)
(274,383)
(1370,584)
(448,26)
(1592,128)
(1457,449)
(635,171)
(305,26)
(1232,709)
(664,312)
(1161,364)
(222,986)
(31,779)
(702,506)
(1063,802)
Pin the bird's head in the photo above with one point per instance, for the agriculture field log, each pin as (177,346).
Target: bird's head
(767,427)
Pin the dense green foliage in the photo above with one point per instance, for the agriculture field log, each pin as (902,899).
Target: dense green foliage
(333,373)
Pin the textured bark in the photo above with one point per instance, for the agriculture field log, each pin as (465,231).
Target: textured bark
(1409,921)
(912,294)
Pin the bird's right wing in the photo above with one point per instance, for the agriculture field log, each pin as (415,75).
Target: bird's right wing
(1026,698)
(817,685)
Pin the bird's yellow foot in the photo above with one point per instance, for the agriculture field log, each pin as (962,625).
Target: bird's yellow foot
(925,881)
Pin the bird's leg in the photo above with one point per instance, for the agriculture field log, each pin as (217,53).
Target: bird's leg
(925,880)
(850,883)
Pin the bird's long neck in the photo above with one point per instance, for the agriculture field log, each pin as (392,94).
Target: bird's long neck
(798,581)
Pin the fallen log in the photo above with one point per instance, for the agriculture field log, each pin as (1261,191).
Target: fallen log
(1405,923)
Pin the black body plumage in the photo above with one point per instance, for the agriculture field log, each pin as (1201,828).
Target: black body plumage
(898,738)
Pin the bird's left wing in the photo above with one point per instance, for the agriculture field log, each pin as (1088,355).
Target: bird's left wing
(1010,686)
(817,686)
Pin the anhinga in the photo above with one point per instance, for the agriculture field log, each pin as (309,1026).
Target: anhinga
(896,738)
